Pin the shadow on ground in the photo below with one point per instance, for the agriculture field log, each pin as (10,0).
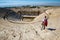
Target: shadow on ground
(9,14)
(51,29)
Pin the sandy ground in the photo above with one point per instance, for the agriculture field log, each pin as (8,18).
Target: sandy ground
(32,31)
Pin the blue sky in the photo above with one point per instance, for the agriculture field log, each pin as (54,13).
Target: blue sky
(9,3)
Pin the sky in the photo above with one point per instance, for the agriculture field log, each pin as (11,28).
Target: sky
(12,3)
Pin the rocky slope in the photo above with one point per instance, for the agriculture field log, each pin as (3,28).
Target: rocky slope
(32,31)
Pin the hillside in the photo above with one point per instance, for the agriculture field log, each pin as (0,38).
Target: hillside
(32,31)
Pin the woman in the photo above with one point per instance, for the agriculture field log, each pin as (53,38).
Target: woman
(44,22)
